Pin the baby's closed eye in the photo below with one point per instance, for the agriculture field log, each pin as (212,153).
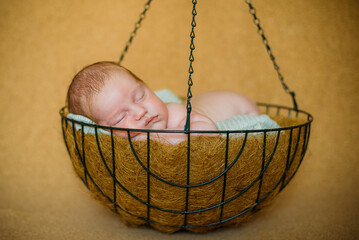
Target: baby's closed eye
(120,118)
(140,95)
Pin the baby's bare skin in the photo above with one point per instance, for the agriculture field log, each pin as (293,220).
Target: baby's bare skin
(126,102)
(215,105)
(220,105)
(208,108)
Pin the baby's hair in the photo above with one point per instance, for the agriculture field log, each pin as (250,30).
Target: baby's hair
(89,82)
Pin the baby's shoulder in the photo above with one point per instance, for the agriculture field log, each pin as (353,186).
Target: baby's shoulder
(176,109)
(176,114)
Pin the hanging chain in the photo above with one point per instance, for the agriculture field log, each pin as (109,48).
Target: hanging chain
(256,21)
(190,70)
(133,34)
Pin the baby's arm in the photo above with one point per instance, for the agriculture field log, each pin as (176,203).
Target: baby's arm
(177,116)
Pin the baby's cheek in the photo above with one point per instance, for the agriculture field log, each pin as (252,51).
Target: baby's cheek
(160,125)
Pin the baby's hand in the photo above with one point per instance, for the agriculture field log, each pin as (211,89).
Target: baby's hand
(200,122)
(171,138)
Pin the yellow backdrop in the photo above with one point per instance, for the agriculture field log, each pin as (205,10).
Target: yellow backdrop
(44,43)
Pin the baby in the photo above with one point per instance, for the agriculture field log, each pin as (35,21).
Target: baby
(113,96)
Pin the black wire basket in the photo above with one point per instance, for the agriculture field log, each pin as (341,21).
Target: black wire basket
(274,154)
(199,184)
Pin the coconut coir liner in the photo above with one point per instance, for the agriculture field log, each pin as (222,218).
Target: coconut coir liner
(169,162)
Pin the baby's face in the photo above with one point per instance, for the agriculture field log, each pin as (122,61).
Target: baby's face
(125,102)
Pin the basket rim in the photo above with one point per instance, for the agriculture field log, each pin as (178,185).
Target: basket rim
(266,105)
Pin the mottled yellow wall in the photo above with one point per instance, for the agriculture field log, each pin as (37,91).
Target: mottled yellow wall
(44,43)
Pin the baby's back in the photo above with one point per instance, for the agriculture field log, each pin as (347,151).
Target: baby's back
(220,105)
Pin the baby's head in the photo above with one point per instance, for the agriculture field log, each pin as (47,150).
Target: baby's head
(113,96)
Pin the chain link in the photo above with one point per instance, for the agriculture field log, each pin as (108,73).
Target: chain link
(133,33)
(190,70)
(256,21)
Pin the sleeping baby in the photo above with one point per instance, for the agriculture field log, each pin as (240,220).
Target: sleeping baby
(113,96)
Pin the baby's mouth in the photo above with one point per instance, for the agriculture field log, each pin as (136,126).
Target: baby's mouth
(150,120)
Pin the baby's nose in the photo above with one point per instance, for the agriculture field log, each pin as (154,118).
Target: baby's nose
(140,112)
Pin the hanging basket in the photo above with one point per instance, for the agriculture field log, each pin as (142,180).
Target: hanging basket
(197,185)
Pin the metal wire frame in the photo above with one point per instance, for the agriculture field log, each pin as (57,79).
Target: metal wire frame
(256,21)
(134,32)
(282,182)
